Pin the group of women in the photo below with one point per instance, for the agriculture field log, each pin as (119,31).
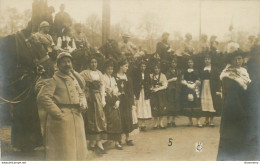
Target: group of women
(110,103)
(121,100)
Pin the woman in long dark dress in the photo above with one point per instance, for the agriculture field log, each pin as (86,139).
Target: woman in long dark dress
(158,96)
(113,116)
(210,91)
(125,86)
(190,94)
(173,91)
(95,120)
(235,80)
(142,86)
(253,107)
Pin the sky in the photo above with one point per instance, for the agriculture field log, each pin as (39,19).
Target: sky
(173,15)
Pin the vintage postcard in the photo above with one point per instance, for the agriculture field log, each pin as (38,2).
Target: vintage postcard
(130,80)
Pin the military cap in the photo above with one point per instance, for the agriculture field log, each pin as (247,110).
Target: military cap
(44,24)
(62,55)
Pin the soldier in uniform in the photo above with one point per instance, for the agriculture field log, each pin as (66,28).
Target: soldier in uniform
(43,37)
(63,98)
(42,43)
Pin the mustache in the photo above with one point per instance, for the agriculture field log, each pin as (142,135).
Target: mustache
(67,67)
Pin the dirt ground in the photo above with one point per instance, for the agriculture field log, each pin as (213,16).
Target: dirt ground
(151,145)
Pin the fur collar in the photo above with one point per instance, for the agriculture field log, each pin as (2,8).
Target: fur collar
(239,75)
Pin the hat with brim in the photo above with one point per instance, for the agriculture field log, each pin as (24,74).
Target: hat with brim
(165,34)
(231,56)
(126,36)
(44,24)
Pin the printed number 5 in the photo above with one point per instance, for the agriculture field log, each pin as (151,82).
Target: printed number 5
(170,142)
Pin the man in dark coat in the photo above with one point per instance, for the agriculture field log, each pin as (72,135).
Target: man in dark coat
(62,19)
(164,50)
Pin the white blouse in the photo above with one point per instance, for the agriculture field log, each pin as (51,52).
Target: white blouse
(110,84)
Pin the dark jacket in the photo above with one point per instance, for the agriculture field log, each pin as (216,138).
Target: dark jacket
(215,84)
(162,50)
(138,83)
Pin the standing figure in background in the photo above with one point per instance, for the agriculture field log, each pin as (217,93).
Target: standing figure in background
(173,91)
(250,43)
(65,41)
(185,51)
(213,44)
(158,96)
(113,116)
(126,97)
(63,98)
(62,19)
(186,48)
(233,127)
(127,48)
(203,44)
(95,120)
(210,91)
(142,86)
(164,50)
(190,94)
(79,37)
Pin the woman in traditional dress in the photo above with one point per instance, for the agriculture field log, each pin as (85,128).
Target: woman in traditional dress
(190,94)
(210,91)
(173,91)
(142,86)
(95,120)
(66,42)
(158,96)
(113,116)
(125,86)
(235,81)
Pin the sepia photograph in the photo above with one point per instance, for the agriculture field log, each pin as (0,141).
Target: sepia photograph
(130,80)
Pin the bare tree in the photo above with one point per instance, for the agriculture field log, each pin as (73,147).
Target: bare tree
(11,20)
(93,23)
(116,31)
(149,26)
(124,26)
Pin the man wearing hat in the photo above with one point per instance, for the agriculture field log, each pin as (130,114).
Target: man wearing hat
(42,37)
(126,47)
(164,50)
(63,98)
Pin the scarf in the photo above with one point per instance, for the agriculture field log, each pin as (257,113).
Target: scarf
(239,75)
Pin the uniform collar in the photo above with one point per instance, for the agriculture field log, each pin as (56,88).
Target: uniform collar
(64,76)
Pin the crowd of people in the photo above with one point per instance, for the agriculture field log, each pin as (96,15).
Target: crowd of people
(114,97)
